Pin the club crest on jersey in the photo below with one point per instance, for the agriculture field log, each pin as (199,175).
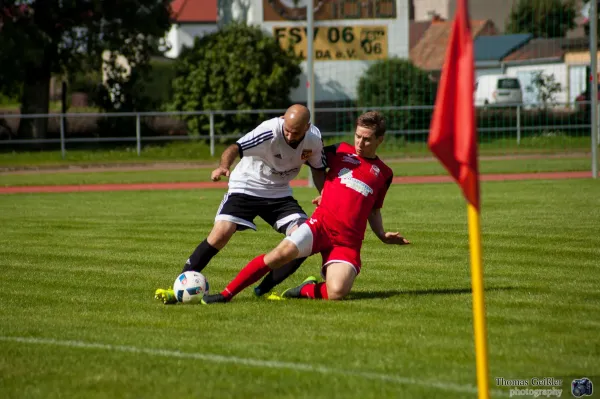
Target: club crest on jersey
(375,170)
(351,158)
(305,154)
(350,181)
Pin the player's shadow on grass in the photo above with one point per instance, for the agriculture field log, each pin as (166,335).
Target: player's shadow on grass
(361,295)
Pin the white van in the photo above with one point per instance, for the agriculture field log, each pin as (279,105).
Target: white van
(497,89)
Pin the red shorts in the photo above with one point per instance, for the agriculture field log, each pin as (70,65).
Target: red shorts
(325,244)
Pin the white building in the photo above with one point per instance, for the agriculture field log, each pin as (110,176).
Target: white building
(350,37)
(191,19)
(557,57)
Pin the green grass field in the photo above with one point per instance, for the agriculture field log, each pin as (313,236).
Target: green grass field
(78,318)
(422,167)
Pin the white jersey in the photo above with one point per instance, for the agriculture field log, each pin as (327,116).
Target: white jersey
(268,162)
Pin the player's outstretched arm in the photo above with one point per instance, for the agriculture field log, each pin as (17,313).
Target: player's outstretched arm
(227,158)
(376,223)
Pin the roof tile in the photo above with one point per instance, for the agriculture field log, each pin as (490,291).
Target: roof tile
(201,11)
(430,51)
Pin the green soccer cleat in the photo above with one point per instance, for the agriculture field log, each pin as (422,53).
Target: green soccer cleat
(295,291)
(166,296)
(273,296)
(270,296)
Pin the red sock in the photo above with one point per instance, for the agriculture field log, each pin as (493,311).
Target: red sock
(250,274)
(315,291)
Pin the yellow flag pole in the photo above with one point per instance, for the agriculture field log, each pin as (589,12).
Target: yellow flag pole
(479,324)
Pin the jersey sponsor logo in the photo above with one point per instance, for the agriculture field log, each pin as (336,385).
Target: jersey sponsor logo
(350,181)
(268,171)
(312,221)
(305,154)
(375,170)
(351,158)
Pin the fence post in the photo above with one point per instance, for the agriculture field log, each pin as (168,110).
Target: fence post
(63,151)
(594,92)
(518,124)
(138,134)
(310,68)
(211,118)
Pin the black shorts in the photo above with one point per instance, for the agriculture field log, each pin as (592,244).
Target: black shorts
(241,209)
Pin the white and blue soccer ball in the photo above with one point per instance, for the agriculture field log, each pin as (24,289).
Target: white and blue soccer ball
(190,287)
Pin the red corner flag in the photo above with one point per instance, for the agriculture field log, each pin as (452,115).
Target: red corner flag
(452,136)
(453,140)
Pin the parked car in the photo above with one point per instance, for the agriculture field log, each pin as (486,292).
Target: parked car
(582,101)
(498,89)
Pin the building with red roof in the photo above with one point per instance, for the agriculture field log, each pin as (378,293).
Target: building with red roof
(191,19)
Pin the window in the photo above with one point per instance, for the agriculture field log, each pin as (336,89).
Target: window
(508,84)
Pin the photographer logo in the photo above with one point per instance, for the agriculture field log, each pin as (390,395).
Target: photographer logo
(582,387)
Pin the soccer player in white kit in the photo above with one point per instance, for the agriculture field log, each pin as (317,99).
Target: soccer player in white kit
(271,156)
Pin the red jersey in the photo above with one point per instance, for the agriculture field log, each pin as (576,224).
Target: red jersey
(354,186)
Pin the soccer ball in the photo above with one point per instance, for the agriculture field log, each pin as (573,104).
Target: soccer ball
(190,287)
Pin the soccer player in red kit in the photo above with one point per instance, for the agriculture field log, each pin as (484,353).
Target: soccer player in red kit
(355,187)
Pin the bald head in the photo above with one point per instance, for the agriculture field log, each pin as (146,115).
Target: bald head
(298,115)
(296,123)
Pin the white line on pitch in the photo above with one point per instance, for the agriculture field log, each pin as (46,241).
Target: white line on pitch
(249,362)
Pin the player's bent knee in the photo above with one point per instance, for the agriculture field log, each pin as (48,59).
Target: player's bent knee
(285,252)
(337,290)
(339,279)
(221,234)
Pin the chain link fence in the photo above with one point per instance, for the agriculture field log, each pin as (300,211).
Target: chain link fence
(502,128)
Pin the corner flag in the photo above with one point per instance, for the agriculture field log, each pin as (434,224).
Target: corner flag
(453,140)
(452,137)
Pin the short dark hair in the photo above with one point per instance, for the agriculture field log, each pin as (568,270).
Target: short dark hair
(372,120)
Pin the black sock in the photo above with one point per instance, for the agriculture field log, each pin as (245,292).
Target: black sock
(275,277)
(200,257)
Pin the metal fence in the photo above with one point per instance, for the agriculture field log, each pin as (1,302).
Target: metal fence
(503,127)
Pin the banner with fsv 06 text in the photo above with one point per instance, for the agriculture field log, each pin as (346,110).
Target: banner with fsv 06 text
(337,43)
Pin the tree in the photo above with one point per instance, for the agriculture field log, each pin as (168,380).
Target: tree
(40,38)
(238,68)
(542,18)
(545,87)
(397,82)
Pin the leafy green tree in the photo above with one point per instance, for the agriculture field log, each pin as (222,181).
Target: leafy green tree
(237,68)
(542,18)
(397,82)
(40,38)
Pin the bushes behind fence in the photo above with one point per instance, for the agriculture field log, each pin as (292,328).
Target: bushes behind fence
(492,123)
